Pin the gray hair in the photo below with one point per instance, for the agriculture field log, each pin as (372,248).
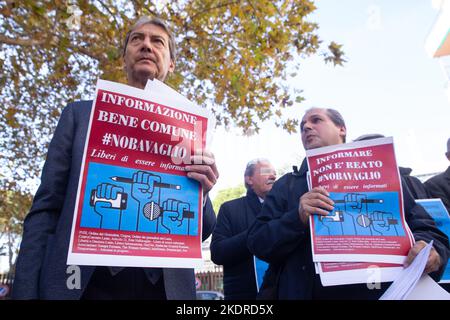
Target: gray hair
(157,22)
(250,168)
(337,119)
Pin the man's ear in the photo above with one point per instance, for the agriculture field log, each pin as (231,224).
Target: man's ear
(124,65)
(342,132)
(248,180)
(172,66)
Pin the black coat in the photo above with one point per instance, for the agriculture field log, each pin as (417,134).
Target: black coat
(414,185)
(279,237)
(229,246)
(439,187)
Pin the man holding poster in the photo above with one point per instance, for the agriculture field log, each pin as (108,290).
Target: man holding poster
(281,234)
(42,271)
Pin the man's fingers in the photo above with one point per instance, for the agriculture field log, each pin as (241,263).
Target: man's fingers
(306,211)
(413,252)
(204,181)
(203,170)
(205,156)
(204,152)
(320,190)
(431,266)
(317,199)
(411,256)
(214,169)
(322,202)
(199,159)
(312,207)
(317,210)
(319,204)
(434,261)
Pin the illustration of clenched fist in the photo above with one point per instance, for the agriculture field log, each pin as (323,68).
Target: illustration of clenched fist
(144,186)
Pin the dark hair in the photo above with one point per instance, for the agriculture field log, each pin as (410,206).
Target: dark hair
(157,22)
(334,116)
(369,136)
(337,119)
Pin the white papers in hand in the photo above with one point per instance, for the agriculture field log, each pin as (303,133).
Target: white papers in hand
(163,92)
(428,289)
(408,278)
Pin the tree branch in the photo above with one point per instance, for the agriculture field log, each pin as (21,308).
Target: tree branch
(213,8)
(110,12)
(87,53)
(21,42)
(33,42)
(256,12)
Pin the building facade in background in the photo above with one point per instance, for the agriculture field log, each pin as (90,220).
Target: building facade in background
(437,43)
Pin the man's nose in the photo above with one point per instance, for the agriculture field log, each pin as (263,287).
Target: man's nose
(272,176)
(307,126)
(146,44)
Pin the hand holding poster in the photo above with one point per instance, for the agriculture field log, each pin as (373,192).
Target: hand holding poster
(135,205)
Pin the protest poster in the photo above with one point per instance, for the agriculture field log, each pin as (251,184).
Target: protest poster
(367,223)
(440,215)
(160,91)
(135,205)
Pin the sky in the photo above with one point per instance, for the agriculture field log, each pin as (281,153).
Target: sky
(389,85)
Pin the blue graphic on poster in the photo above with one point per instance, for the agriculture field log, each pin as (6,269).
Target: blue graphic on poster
(260,269)
(363,214)
(438,212)
(119,198)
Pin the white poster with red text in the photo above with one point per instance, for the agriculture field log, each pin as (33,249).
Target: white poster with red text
(367,223)
(135,204)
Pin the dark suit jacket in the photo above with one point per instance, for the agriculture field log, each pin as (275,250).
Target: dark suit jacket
(439,187)
(279,237)
(229,246)
(414,185)
(41,264)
